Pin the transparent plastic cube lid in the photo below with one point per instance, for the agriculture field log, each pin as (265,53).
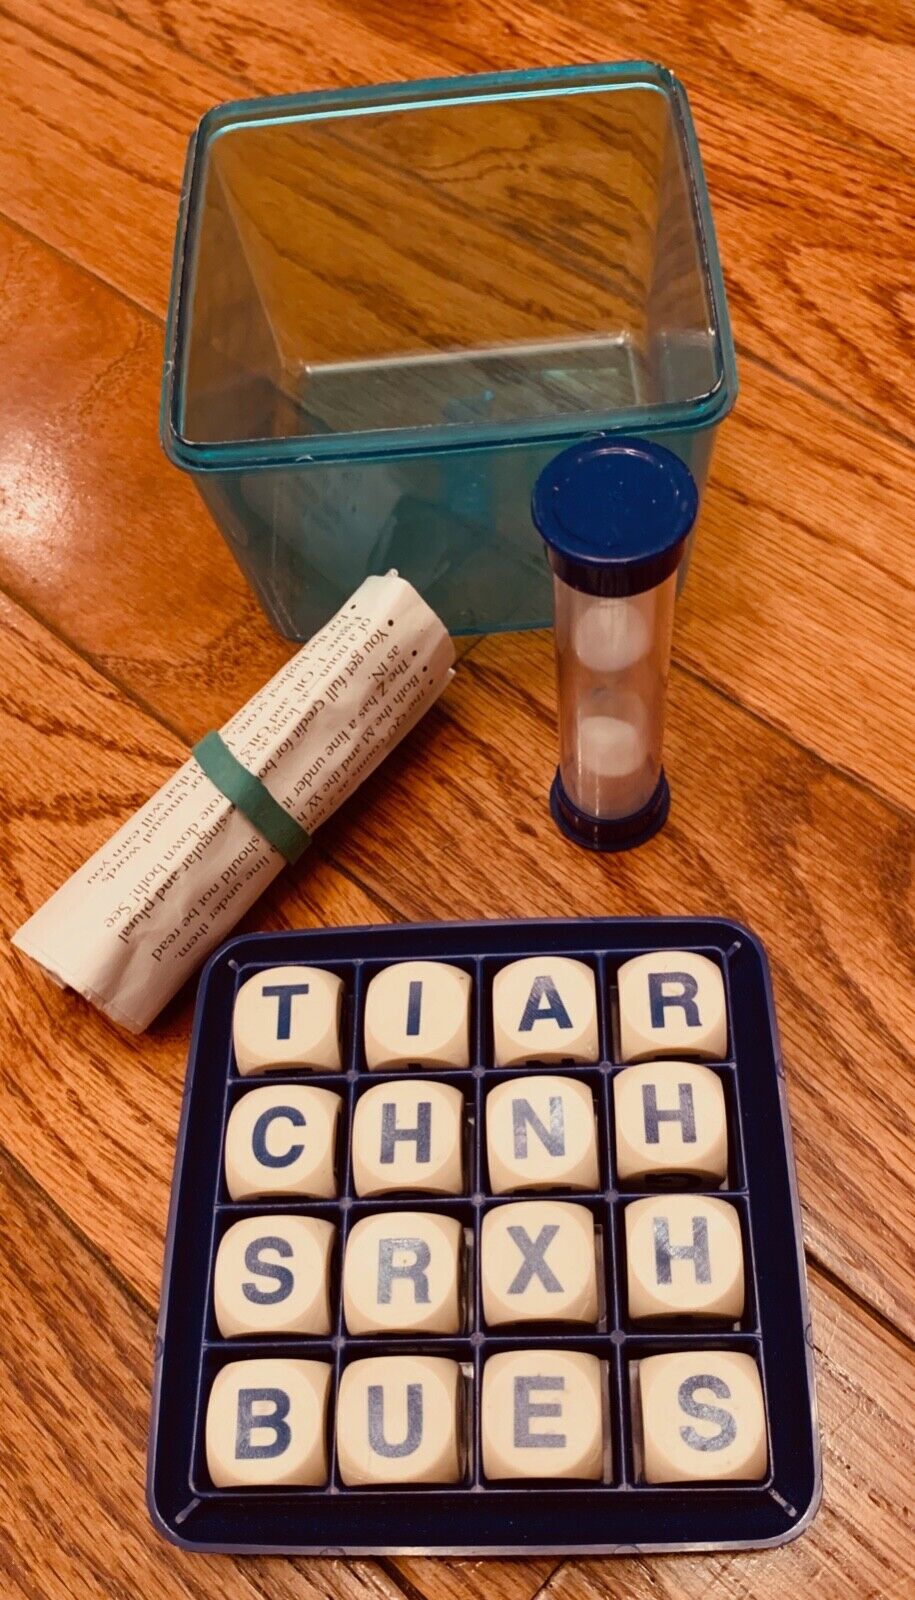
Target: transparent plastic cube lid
(506,258)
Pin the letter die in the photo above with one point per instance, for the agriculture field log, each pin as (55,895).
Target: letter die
(684,1257)
(281,1140)
(670,1120)
(288,1017)
(542,1415)
(272,1275)
(399,1420)
(544,1008)
(541,1133)
(703,1418)
(417,1013)
(672,1004)
(266,1423)
(408,1136)
(538,1263)
(402,1273)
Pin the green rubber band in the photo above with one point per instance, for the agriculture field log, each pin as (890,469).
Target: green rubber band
(251,797)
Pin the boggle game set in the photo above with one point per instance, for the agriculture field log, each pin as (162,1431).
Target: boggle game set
(484,1236)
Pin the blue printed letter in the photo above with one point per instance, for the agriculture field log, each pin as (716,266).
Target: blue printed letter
(285,993)
(689,988)
(554,1010)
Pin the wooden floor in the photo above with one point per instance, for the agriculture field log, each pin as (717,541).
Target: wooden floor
(127,632)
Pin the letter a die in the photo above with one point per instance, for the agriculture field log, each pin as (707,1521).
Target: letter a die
(408,1136)
(544,1008)
(703,1418)
(266,1423)
(542,1415)
(672,1003)
(399,1421)
(288,1017)
(541,1134)
(538,1263)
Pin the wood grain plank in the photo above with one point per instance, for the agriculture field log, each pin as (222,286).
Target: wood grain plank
(790,55)
(115,550)
(99,534)
(94,1116)
(807,292)
(800,601)
(94,107)
(454,1578)
(816,865)
(92,1103)
(861,1542)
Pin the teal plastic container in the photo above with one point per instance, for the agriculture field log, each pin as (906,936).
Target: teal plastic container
(391,306)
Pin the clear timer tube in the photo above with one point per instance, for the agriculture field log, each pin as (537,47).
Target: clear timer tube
(614,515)
(612,660)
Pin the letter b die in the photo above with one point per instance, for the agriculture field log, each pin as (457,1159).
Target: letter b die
(266,1423)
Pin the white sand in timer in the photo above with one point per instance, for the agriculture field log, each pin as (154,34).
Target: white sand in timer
(613,634)
(614,772)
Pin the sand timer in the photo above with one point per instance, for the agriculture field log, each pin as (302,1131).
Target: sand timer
(614,515)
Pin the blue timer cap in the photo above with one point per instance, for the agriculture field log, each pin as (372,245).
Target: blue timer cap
(614,514)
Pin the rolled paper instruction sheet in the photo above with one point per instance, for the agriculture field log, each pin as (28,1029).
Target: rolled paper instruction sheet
(132,924)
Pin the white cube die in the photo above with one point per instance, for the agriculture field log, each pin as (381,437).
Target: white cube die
(402,1273)
(399,1421)
(266,1424)
(702,1417)
(538,1263)
(408,1136)
(417,1013)
(288,1017)
(281,1140)
(542,1415)
(670,1121)
(684,1257)
(272,1275)
(541,1133)
(544,1008)
(671,1003)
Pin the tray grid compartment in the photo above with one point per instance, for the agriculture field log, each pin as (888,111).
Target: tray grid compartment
(622,1509)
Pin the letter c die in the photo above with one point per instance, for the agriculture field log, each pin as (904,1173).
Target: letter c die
(281,1140)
